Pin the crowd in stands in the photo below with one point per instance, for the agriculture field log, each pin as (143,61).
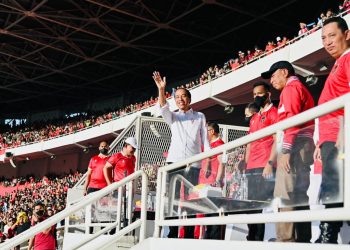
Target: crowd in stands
(16,206)
(15,136)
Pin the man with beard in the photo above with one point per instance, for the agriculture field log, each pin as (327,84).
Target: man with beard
(260,155)
(95,179)
(45,240)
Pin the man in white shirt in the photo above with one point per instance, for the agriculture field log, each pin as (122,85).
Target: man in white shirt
(188,132)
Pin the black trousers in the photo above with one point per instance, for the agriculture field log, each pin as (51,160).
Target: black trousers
(260,189)
(91,190)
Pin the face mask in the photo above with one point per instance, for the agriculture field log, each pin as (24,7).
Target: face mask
(40,213)
(104,151)
(247,119)
(260,100)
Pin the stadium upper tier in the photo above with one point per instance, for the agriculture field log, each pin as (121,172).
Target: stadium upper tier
(305,52)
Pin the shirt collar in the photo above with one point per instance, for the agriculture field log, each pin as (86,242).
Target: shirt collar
(345,52)
(267,109)
(292,78)
(190,111)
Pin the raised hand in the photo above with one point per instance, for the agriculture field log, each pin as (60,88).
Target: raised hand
(161,83)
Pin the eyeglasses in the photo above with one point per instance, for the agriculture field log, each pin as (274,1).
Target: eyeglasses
(209,129)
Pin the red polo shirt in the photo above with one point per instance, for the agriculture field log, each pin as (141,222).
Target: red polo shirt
(337,84)
(97,179)
(121,164)
(260,150)
(295,99)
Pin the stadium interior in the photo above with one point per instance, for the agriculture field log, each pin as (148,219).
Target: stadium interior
(78,72)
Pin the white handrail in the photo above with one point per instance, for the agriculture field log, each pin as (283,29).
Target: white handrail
(293,216)
(296,120)
(17,240)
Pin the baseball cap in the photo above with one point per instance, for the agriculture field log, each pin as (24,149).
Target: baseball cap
(276,66)
(132,141)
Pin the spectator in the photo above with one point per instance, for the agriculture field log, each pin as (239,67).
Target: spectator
(249,111)
(212,173)
(303,29)
(95,179)
(122,163)
(293,163)
(46,240)
(335,39)
(261,155)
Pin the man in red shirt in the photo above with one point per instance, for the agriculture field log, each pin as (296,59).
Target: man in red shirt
(260,155)
(212,169)
(95,179)
(46,240)
(122,163)
(335,38)
(293,162)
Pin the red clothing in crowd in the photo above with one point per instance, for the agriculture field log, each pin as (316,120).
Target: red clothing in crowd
(337,84)
(261,149)
(121,164)
(97,179)
(44,241)
(294,99)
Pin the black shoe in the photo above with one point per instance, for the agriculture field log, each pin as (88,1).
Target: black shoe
(329,232)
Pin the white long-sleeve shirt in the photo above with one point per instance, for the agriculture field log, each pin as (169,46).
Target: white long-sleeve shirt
(188,133)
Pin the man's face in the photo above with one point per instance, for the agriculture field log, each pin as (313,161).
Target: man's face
(259,91)
(103,145)
(182,100)
(279,79)
(129,150)
(334,40)
(211,133)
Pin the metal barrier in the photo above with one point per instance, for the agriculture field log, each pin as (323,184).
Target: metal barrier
(341,213)
(81,206)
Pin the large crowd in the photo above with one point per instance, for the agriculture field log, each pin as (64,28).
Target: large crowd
(16,206)
(23,134)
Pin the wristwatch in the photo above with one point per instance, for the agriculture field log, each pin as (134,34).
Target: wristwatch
(285,151)
(270,163)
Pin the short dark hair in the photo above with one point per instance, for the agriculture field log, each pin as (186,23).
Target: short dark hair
(264,84)
(39,203)
(188,93)
(252,106)
(342,25)
(215,127)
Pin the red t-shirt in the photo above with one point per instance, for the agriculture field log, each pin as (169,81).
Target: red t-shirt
(337,84)
(294,99)
(121,164)
(260,150)
(97,179)
(214,163)
(45,241)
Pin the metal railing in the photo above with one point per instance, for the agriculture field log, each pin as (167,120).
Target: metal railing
(89,199)
(341,214)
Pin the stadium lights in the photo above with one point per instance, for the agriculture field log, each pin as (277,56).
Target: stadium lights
(52,156)
(228,107)
(323,68)
(85,149)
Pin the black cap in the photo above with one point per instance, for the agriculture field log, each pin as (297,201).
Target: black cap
(276,66)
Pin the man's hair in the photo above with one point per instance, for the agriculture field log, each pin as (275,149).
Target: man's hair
(264,84)
(104,142)
(188,93)
(253,106)
(342,25)
(39,203)
(214,126)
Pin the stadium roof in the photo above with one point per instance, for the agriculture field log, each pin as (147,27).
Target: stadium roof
(56,53)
